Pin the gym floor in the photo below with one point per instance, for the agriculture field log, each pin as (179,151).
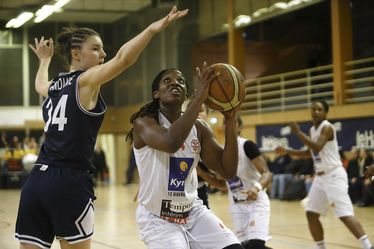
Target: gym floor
(115,225)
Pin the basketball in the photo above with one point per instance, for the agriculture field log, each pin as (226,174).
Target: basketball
(227,90)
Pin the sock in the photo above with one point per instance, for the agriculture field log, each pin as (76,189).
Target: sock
(365,242)
(320,244)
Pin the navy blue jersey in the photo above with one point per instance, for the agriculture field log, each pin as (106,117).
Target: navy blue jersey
(70,130)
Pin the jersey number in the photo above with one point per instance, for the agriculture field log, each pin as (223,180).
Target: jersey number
(57,115)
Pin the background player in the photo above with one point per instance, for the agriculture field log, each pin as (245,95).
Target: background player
(330,186)
(249,202)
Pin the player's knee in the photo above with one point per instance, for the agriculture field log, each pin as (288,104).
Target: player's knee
(254,244)
(234,246)
(311,215)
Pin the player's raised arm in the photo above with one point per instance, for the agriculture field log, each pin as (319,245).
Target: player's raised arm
(44,50)
(129,52)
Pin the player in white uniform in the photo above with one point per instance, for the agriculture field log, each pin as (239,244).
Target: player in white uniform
(330,186)
(249,202)
(167,146)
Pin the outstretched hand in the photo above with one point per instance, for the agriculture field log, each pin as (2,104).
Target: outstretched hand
(171,17)
(294,127)
(43,48)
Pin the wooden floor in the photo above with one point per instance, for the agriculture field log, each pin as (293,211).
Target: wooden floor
(115,225)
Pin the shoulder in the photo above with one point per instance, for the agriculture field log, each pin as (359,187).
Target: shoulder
(144,121)
(202,126)
(251,149)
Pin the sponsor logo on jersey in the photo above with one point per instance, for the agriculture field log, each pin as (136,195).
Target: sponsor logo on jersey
(235,183)
(237,189)
(176,212)
(195,145)
(178,172)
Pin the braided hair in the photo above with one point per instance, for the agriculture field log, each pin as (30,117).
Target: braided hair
(70,38)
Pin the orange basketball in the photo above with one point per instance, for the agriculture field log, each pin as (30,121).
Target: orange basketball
(227,90)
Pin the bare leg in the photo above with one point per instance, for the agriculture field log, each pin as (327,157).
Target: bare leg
(315,226)
(81,245)
(353,225)
(28,246)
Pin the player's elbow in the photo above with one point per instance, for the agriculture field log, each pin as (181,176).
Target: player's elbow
(228,174)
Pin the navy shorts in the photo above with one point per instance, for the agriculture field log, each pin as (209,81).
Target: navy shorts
(56,202)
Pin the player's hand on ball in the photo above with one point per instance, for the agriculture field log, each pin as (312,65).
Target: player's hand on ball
(203,79)
(231,113)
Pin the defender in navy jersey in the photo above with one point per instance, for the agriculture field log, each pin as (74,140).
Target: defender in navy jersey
(71,134)
(57,199)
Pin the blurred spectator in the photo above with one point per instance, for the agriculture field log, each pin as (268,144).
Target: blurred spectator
(344,159)
(281,175)
(356,170)
(131,168)
(99,161)
(301,181)
(31,149)
(13,155)
(354,179)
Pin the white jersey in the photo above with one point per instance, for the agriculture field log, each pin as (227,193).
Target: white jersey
(328,158)
(246,176)
(168,182)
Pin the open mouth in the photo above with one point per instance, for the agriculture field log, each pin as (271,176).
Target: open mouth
(175,91)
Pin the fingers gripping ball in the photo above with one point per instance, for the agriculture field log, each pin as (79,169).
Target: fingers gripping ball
(227,90)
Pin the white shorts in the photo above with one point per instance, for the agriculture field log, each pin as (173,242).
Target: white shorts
(202,231)
(330,189)
(251,219)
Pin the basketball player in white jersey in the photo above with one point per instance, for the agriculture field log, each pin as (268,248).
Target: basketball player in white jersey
(249,202)
(167,146)
(330,186)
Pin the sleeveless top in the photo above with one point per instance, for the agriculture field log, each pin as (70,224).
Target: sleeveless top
(246,176)
(70,130)
(168,182)
(328,158)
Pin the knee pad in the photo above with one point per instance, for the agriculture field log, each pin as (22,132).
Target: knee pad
(234,246)
(254,244)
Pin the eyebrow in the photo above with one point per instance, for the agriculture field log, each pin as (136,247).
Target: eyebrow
(96,45)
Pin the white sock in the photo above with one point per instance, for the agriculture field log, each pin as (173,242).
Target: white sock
(365,242)
(320,244)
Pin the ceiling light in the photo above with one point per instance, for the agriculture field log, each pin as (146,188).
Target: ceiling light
(43,13)
(294,3)
(260,12)
(242,20)
(61,3)
(19,20)
(280,5)
(213,120)
(48,10)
